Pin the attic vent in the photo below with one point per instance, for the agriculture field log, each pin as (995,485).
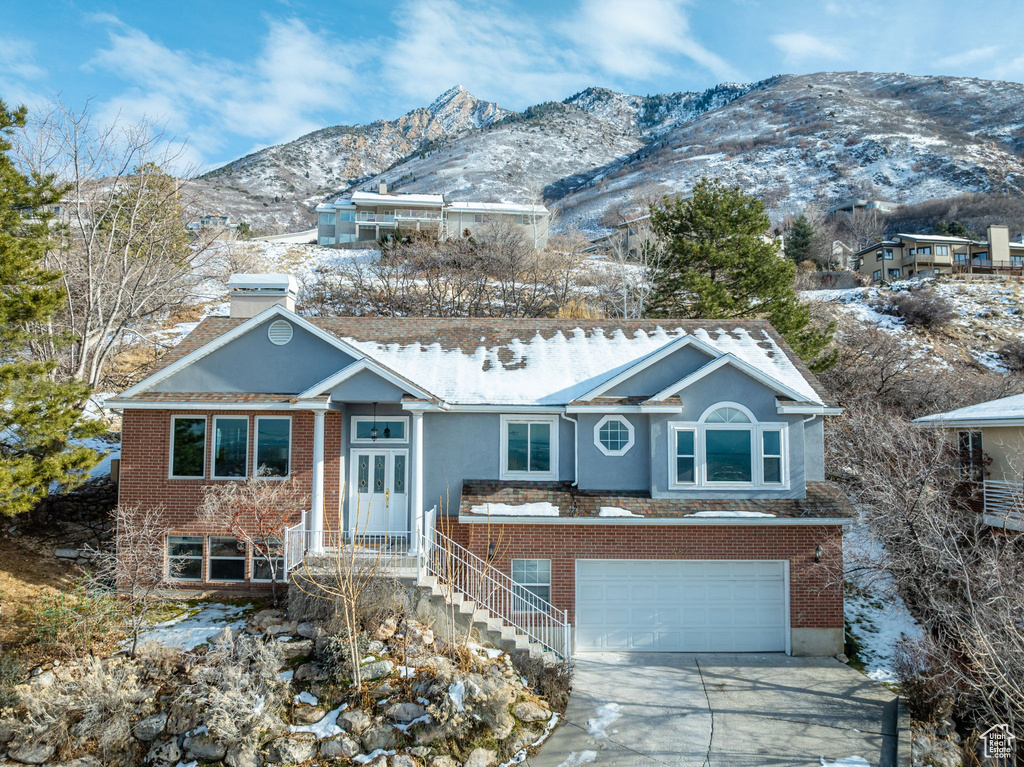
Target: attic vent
(280,332)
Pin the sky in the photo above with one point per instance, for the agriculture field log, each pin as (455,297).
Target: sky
(230,77)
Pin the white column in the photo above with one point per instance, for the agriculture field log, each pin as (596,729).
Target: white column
(417,470)
(317,509)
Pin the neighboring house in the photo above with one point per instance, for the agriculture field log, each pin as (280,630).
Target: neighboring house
(850,207)
(628,240)
(662,482)
(926,255)
(990,445)
(365,217)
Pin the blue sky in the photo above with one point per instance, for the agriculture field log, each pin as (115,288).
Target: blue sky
(232,76)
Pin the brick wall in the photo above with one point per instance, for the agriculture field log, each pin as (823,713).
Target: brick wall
(816,597)
(145,459)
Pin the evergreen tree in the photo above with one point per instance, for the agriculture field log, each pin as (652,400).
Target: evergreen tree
(951,229)
(800,240)
(40,418)
(718,264)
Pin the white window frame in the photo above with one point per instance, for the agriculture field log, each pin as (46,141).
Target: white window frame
(539,476)
(629,428)
(248,446)
(256,445)
(755,428)
(380,440)
(167,557)
(326,219)
(254,558)
(526,586)
(206,447)
(210,558)
(942,250)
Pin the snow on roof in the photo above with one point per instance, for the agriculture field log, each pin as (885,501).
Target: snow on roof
(496,207)
(373,198)
(263,282)
(538,509)
(933,238)
(558,369)
(1005,409)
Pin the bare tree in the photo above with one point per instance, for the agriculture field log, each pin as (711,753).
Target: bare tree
(633,256)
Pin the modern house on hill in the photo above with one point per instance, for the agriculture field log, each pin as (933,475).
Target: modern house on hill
(365,217)
(927,255)
(638,485)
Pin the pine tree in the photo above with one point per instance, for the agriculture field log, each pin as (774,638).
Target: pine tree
(800,240)
(719,264)
(40,418)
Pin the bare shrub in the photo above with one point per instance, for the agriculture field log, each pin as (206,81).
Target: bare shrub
(918,308)
(923,684)
(12,673)
(552,681)
(1012,355)
(78,622)
(337,659)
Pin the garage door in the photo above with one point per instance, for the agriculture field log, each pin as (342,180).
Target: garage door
(647,605)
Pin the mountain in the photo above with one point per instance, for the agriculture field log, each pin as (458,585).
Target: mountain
(795,140)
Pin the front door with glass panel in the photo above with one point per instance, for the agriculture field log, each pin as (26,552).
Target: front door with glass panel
(378,499)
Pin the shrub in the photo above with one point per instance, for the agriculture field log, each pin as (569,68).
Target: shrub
(1012,355)
(552,681)
(12,673)
(336,658)
(79,622)
(918,308)
(923,686)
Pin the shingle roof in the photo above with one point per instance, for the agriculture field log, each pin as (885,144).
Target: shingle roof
(160,396)
(823,500)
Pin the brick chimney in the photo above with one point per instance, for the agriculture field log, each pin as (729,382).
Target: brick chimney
(254,293)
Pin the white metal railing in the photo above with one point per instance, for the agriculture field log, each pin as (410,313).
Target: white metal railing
(1004,499)
(296,543)
(365,217)
(390,550)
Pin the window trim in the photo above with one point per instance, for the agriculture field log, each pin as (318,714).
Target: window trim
(254,558)
(971,467)
(256,445)
(167,558)
(539,476)
(877,274)
(526,586)
(206,444)
(629,428)
(754,428)
(210,558)
(380,440)
(213,450)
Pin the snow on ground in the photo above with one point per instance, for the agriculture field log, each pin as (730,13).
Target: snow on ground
(325,728)
(539,509)
(876,615)
(850,761)
(188,631)
(606,714)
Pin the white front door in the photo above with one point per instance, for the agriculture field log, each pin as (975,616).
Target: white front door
(378,497)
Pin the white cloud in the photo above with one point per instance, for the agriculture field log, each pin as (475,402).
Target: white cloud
(799,47)
(973,56)
(20,76)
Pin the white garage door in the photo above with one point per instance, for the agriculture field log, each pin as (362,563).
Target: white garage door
(647,605)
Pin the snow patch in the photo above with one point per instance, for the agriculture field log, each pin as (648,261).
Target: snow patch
(307,698)
(737,514)
(325,728)
(539,509)
(850,761)
(579,757)
(606,714)
(616,511)
(188,632)
(367,758)
(457,692)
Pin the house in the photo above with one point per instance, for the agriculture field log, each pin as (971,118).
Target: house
(926,255)
(654,485)
(365,217)
(990,446)
(862,205)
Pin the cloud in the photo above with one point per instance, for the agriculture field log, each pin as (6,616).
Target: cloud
(973,56)
(799,47)
(20,76)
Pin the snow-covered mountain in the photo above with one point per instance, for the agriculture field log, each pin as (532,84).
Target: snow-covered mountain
(794,140)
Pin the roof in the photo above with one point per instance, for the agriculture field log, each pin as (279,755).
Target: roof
(201,397)
(1007,411)
(534,361)
(934,238)
(496,207)
(263,282)
(824,500)
(373,198)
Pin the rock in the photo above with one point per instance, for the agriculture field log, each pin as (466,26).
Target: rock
(8,729)
(66,553)
(308,630)
(382,737)
(310,672)
(31,753)
(223,637)
(481,757)
(303,713)
(380,761)
(204,747)
(419,634)
(149,728)
(403,760)
(842,658)
(320,646)
(443,760)
(83,761)
(291,749)
(421,751)
(386,630)
(243,755)
(355,722)
(281,629)
(302,647)
(523,738)
(528,711)
(339,747)
(403,713)
(377,669)
(376,647)
(504,726)
(164,753)
(42,679)
(428,734)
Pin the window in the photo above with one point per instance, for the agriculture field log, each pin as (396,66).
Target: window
(326,240)
(533,580)
(877,274)
(924,251)
(981,256)
(273,446)
(529,448)
(727,447)
(227,559)
(960,258)
(389,429)
(346,215)
(326,219)
(230,447)
(942,250)
(479,218)
(526,220)
(971,456)
(912,252)
(613,435)
(185,557)
(188,446)
(884,254)
(261,570)
(894,274)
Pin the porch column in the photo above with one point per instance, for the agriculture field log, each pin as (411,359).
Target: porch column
(417,470)
(317,509)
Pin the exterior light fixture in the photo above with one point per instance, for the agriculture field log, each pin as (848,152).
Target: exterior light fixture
(373,429)
(817,553)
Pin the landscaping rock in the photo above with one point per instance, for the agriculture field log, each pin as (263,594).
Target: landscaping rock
(164,753)
(528,711)
(443,760)
(31,753)
(84,761)
(481,757)
(223,637)
(376,647)
(291,749)
(356,722)
(382,737)
(8,729)
(303,713)
(524,738)
(204,747)
(421,751)
(403,760)
(281,629)
(419,634)
(310,672)
(380,760)
(149,729)
(42,679)
(66,553)
(377,669)
(308,629)
(295,649)
(403,713)
(386,630)
(503,726)
(243,755)
(427,735)
(339,747)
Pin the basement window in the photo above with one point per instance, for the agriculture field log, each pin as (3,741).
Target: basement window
(227,559)
(185,557)
(533,584)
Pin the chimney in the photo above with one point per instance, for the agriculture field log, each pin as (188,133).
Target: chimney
(382,188)
(254,293)
(999,244)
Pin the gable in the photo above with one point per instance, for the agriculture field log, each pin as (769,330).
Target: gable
(655,377)
(366,386)
(729,384)
(252,363)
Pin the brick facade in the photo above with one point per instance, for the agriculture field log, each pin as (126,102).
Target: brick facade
(815,594)
(145,481)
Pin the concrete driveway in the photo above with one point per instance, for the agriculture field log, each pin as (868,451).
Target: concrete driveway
(721,710)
